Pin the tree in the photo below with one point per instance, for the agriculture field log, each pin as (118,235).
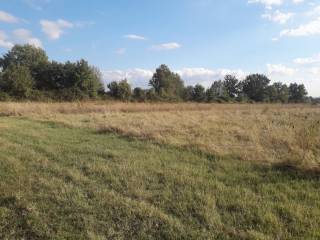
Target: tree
(87,79)
(24,55)
(17,81)
(139,94)
(255,86)
(278,92)
(199,94)
(231,84)
(166,83)
(188,93)
(217,91)
(297,93)
(120,90)
(51,76)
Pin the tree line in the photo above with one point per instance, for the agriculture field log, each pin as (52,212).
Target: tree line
(27,74)
(168,86)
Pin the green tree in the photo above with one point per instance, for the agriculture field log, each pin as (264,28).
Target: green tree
(255,86)
(167,84)
(24,55)
(51,76)
(120,90)
(216,92)
(87,79)
(278,92)
(188,93)
(231,84)
(139,94)
(17,81)
(199,94)
(152,95)
(297,93)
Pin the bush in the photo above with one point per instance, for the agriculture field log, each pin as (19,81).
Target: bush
(4,97)
(139,95)
(42,96)
(120,90)
(17,81)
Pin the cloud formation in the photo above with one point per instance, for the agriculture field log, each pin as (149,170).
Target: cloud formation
(268,3)
(8,18)
(303,70)
(54,29)
(135,37)
(308,60)
(166,46)
(24,36)
(304,30)
(140,77)
(280,70)
(308,75)
(278,16)
(4,42)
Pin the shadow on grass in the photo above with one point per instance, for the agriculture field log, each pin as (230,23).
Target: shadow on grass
(296,172)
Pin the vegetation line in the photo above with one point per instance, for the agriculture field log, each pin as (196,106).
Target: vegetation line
(27,74)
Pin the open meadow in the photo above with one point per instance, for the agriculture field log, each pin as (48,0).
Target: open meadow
(110,170)
(267,133)
(168,120)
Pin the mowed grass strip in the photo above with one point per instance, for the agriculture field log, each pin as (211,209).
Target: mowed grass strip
(68,183)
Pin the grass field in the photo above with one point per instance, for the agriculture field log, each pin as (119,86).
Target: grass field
(159,171)
(285,134)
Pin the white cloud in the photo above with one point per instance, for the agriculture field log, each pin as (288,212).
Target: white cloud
(166,46)
(137,77)
(134,37)
(4,42)
(279,70)
(308,29)
(298,1)
(278,16)
(310,77)
(314,71)
(308,61)
(268,3)
(140,77)
(315,11)
(25,36)
(207,76)
(54,29)
(8,18)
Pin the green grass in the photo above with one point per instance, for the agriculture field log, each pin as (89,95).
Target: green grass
(68,183)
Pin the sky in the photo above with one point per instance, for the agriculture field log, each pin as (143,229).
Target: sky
(202,40)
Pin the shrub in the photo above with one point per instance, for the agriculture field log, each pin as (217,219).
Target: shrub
(17,81)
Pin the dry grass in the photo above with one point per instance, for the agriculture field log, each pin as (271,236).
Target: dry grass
(32,108)
(287,134)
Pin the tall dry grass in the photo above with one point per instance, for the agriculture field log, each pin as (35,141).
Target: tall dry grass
(38,108)
(286,134)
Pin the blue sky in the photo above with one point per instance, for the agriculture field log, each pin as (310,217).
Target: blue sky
(200,39)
